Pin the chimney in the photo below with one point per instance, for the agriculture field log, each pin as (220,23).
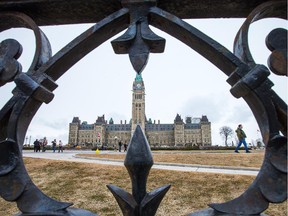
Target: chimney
(120,121)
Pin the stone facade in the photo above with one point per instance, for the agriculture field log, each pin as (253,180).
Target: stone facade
(192,132)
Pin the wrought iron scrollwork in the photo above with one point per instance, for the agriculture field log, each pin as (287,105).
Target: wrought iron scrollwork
(277,43)
(10,50)
(271,183)
(138,40)
(247,79)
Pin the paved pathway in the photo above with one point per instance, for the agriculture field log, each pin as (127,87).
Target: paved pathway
(68,155)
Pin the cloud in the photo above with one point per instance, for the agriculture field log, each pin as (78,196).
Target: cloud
(117,117)
(240,113)
(213,108)
(223,110)
(51,123)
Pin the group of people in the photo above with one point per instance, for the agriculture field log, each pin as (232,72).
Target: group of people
(54,146)
(38,144)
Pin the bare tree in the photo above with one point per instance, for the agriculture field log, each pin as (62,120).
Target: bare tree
(226,132)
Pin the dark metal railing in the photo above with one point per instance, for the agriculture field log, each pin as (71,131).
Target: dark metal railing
(247,79)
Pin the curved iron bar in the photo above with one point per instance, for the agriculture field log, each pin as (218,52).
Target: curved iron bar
(43,49)
(14,122)
(32,89)
(271,9)
(251,83)
(241,49)
(271,183)
(18,112)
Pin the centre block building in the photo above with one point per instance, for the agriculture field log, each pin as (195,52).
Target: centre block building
(192,132)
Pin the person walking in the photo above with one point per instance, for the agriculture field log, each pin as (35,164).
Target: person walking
(125,147)
(54,145)
(60,146)
(241,137)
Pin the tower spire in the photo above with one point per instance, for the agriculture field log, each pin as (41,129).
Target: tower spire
(138,103)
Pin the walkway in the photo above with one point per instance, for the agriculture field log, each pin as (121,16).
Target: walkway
(70,155)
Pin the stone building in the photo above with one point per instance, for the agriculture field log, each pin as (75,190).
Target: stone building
(192,132)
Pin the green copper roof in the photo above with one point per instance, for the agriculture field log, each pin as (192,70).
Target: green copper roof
(138,77)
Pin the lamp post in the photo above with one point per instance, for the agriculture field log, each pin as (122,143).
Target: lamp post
(26,140)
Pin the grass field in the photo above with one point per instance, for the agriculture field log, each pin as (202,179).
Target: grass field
(214,158)
(85,184)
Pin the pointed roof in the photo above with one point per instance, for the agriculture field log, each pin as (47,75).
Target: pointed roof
(204,118)
(138,77)
(178,119)
(76,120)
(188,120)
(100,120)
(138,83)
(150,121)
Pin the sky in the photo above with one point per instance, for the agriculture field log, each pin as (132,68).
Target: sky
(176,81)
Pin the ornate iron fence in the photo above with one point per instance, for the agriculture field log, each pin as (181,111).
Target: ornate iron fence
(248,80)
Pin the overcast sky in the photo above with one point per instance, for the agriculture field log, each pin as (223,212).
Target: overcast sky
(176,81)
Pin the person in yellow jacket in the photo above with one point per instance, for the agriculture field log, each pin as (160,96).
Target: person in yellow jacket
(241,137)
